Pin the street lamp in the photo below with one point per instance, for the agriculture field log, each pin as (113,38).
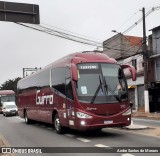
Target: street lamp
(114,31)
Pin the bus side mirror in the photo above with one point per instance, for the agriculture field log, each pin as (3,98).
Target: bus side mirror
(74,72)
(131,69)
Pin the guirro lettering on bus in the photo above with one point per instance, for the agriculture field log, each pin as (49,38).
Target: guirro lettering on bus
(43,99)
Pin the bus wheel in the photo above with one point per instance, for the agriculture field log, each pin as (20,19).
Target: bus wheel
(27,121)
(59,129)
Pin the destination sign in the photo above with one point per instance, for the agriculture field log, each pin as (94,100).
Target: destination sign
(88,66)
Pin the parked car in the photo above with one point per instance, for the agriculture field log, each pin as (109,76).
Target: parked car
(9,109)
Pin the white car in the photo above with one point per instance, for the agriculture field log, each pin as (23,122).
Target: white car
(9,110)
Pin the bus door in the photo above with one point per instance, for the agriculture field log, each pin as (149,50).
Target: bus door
(69,104)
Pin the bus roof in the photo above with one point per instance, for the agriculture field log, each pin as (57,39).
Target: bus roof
(85,56)
(78,57)
(6,92)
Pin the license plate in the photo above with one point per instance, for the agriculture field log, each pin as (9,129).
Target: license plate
(108,122)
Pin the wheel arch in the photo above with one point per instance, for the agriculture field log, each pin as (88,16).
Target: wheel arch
(24,111)
(53,115)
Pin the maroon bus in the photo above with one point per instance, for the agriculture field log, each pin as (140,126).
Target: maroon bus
(83,91)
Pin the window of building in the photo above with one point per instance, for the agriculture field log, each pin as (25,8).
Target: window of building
(134,63)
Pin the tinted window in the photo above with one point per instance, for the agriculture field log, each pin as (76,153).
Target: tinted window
(35,81)
(61,81)
(8,98)
(58,79)
(43,79)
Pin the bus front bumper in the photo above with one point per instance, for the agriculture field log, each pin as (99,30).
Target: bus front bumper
(99,123)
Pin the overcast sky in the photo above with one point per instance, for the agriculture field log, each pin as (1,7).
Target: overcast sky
(21,47)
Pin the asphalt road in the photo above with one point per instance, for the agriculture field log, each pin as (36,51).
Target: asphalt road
(147,122)
(18,134)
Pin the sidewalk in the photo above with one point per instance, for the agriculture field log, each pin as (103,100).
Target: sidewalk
(142,115)
(142,129)
(153,116)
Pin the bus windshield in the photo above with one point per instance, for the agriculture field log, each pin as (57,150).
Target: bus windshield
(101,83)
(8,98)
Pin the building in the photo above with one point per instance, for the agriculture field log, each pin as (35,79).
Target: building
(154,84)
(122,46)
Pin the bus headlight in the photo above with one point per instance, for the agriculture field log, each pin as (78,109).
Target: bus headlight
(83,115)
(128,112)
(83,123)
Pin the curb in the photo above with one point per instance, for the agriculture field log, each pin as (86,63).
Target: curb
(136,127)
(132,126)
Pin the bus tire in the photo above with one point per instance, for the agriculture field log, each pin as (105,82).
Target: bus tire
(27,121)
(97,130)
(59,129)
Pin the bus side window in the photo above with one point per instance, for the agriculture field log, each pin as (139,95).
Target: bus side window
(58,79)
(69,91)
(68,84)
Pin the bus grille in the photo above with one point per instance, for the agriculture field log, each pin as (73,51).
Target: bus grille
(107,114)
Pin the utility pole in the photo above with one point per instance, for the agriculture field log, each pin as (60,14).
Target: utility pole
(145,57)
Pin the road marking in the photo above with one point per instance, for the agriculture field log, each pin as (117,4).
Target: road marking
(83,140)
(127,154)
(70,135)
(100,145)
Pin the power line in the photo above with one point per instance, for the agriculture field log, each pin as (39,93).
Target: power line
(70,36)
(67,34)
(141,19)
(127,61)
(70,32)
(127,20)
(63,35)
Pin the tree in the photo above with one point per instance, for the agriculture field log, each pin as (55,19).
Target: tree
(10,84)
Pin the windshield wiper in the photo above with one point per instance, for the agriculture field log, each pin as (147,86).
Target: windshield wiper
(111,91)
(106,86)
(97,90)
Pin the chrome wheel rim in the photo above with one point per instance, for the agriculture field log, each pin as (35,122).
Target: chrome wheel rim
(57,124)
(26,119)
